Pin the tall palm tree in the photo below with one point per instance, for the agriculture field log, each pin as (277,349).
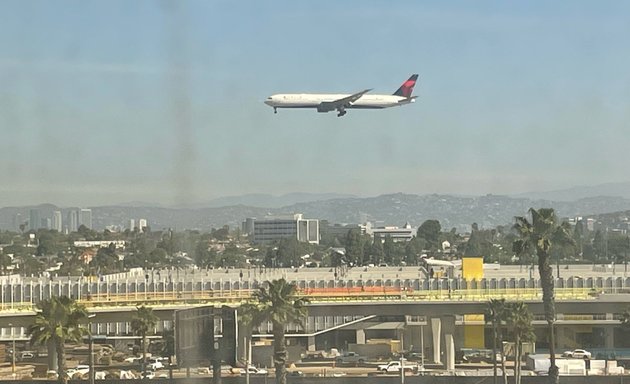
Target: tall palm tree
(519,319)
(496,314)
(538,237)
(280,304)
(58,320)
(143,322)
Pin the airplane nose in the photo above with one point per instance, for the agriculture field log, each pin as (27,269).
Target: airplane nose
(269,101)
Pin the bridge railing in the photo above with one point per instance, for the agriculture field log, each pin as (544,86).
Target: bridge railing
(317,295)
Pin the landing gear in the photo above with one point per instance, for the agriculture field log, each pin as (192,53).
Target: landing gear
(341,112)
(275,110)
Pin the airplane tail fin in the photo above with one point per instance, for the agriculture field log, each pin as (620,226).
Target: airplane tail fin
(406,88)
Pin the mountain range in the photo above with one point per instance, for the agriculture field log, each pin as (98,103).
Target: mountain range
(391,209)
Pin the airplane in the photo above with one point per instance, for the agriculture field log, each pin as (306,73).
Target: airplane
(340,102)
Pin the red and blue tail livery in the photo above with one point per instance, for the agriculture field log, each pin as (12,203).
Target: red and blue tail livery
(406,89)
(327,102)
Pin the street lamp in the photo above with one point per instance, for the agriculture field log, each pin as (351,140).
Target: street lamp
(14,352)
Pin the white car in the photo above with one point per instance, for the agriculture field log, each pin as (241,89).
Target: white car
(132,359)
(154,364)
(80,369)
(148,374)
(577,354)
(255,371)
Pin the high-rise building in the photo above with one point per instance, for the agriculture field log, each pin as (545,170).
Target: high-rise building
(57,224)
(132,224)
(73,220)
(142,224)
(85,217)
(34,220)
(17,222)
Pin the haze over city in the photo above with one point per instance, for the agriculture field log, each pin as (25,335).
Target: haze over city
(110,102)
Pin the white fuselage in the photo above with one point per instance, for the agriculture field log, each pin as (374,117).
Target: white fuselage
(313,100)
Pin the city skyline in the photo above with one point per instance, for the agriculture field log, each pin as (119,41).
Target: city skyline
(167,107)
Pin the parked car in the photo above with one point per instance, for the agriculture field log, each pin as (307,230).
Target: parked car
(79,370)
(350,357)
(317,357)
(155,363)
(254,371)
(577,354)
(149,374)
(26,355)
(395,365)
(132,359)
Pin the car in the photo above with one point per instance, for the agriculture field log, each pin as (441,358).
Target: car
(394,366)
(149,374)
(79,370)
(26,355)
(132,359)
(578,354)
(254,371)
(350,357)
(155,364)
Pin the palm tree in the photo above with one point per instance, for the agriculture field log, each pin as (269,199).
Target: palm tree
(280,304)
(519,319)
(496,314)
(537,237)
(58,320)
(143,322)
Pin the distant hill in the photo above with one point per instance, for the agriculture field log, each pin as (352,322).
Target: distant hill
(393,209)
(582,192)
(268,201)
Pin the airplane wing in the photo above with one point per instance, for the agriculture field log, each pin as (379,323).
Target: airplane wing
(326,106)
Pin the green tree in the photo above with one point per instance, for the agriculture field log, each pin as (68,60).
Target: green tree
(354,247)
(143,322)
(377,254)
(106,260)
(538,237)
(204,256)
(280,304)
(599,246)
(430,231)
(519,319)
(59,320)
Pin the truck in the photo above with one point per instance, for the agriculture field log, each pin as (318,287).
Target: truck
(350,357)
(395,365)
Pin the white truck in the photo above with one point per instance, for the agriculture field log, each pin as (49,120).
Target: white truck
(394,366)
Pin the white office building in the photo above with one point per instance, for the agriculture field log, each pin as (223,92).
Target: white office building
(275,228)
(397,234)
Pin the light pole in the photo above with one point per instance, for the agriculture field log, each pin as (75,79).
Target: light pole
(14,352)
(91,373)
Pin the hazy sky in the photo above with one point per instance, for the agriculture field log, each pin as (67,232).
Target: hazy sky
(104,102)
